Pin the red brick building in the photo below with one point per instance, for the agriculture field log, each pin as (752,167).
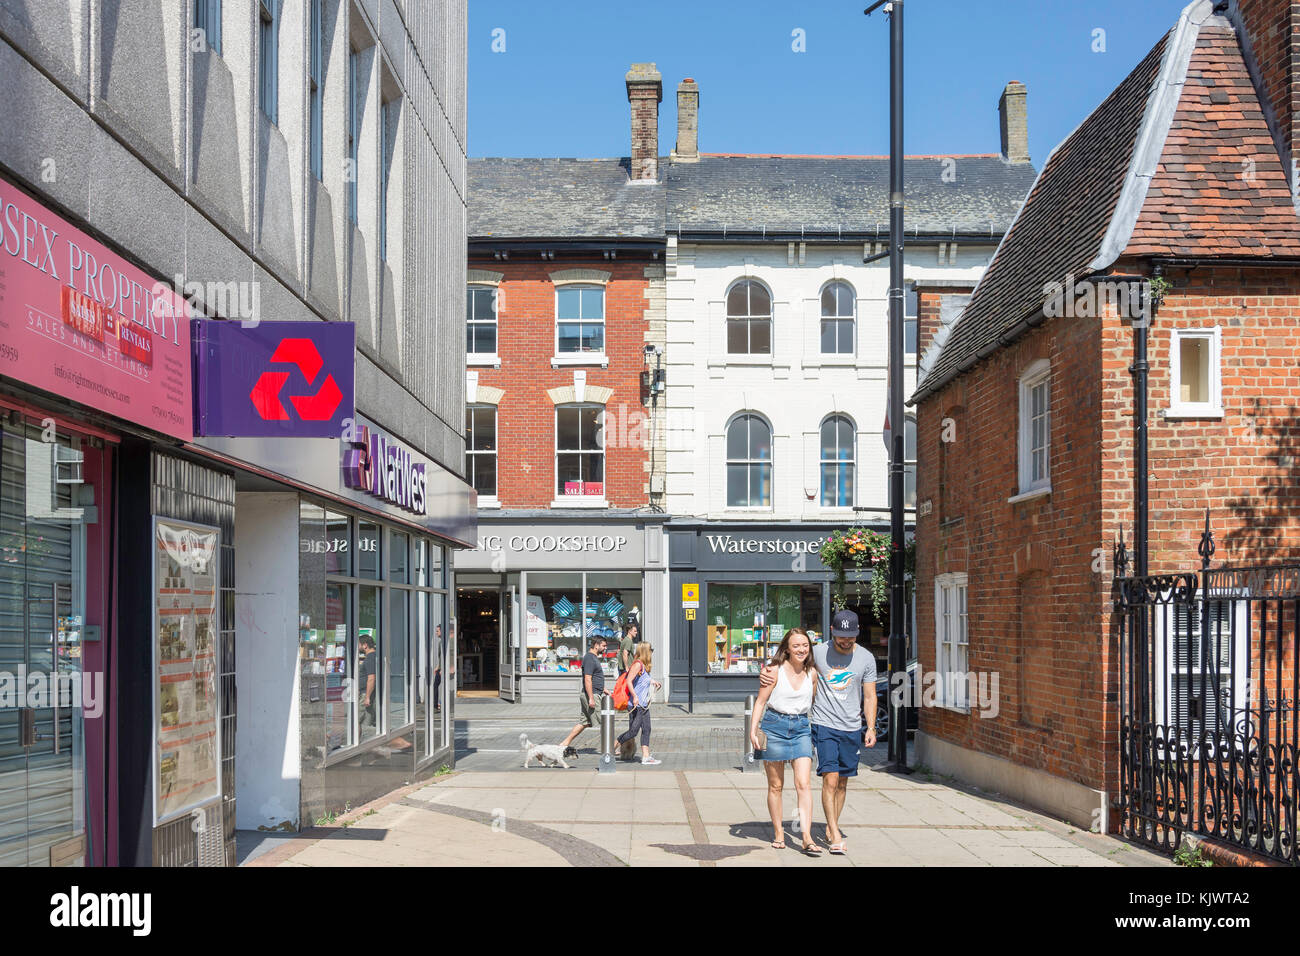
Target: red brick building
(1181,185)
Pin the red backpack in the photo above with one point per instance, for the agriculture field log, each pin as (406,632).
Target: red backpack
(622,691)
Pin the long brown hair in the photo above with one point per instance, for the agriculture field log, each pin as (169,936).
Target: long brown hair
(783,651)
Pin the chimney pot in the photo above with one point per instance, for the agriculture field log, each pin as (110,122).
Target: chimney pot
(1014,123)
(645,90)
(688,122)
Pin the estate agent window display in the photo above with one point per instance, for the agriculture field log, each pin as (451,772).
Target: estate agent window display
(566,610)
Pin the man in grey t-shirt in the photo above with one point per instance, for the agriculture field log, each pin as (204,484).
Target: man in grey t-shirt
(845,704)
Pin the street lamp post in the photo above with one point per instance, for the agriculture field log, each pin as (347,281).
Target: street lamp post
(897,595)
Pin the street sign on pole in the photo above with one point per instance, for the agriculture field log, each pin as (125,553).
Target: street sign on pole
(691,597)
(690,614)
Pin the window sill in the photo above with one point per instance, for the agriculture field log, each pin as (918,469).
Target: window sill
(581,358)
(955,708)
(482,358)
(835,358)
(579,501)
(1182,412)
(1029,495)
(485,503)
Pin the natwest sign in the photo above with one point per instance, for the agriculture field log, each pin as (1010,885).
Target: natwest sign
(80,321)
(275,379)
(384,467)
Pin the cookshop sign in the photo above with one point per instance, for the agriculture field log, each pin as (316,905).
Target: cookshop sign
(555,547)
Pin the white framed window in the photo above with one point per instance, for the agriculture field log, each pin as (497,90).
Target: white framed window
(749,462)
(481,449)
(580,319)
(909,461)
(579,452)
(952,645)
(1201,683)
(749,319)
(1035,444)
(910,338)
(839,309)
(480,320)
(837,461)
(1195,364)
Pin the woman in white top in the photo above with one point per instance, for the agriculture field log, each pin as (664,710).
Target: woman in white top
(783,708)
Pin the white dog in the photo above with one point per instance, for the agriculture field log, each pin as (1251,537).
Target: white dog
(542,753)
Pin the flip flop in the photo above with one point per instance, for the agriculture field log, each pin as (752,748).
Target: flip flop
(837,849)
(812,849)
(778,846)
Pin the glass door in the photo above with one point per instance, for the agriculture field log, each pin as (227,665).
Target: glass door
(44,503)
(508,643)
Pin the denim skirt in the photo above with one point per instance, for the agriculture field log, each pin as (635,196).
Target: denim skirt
(789,736)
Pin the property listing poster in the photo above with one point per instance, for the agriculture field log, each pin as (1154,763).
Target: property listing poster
(185,605)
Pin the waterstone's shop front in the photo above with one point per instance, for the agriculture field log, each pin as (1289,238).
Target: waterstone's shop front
(537,590)
(756,582)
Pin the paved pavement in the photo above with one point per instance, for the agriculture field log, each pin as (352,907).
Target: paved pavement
(693,810)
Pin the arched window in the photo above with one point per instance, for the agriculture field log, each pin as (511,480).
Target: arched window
(749,319)
(837,460)
(579,451)
(749,463)
(837,319)
(481,448)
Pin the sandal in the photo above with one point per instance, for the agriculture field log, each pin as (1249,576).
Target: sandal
(778,846)
(811,849)
(837,849)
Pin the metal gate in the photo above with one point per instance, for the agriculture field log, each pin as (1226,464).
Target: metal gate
(1208,684)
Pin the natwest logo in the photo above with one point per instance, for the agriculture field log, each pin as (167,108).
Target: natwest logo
(275,379)
(313,408)
(383,467)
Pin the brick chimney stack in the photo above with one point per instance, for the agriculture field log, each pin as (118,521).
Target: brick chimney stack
(645,90)
(688,122)
(1015,126)
(1271,31)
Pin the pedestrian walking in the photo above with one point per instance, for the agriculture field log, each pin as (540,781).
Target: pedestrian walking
(843,715)
(781,715)
(626,645)
(642,687)
(593,686)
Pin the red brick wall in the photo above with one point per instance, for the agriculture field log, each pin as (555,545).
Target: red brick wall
(1039,590)
(1274,30)
(526,415)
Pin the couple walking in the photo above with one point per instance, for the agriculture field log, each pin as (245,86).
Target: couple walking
(821,697)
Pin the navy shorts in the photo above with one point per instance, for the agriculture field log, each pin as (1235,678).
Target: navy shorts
(838,751)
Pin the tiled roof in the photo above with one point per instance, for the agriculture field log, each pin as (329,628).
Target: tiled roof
(1177,161)
(1219,189)
(561,199)
(843,195)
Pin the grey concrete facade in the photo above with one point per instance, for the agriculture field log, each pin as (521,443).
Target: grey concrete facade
(120,114)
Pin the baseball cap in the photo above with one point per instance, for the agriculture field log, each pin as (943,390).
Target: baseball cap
(844,624)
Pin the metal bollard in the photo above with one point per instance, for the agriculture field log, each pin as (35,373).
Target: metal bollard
(747,760)
(606,734)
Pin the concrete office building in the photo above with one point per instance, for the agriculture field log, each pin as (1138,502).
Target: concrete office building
(250,160)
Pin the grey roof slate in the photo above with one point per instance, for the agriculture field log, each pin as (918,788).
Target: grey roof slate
(561,199)
(848,195)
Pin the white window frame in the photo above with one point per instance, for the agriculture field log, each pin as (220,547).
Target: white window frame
(749,319)
(912,319)
(1214,407)
(485,501)
(580,357)
(1165,667)
(952,640)
(580,501)
(728,461)
(851,319)
(1039,373)
(485,358)
(851,461)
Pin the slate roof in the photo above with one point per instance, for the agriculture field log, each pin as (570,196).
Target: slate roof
(724,194)
(1156,169)
(561,199)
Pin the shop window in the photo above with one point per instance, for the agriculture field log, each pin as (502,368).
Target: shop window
(481,448)
(369,670)
(580,319)
(480,320)
(749,319)
(837,454)
(397,637)
(838,311)
(747,622)
(564,611)
(340,649)
(749,463)
(579,451)
(367,549)
(399,545)
(338,544)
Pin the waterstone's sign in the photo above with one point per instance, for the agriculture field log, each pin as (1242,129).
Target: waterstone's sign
(384,467)
(730,544)
(553,542)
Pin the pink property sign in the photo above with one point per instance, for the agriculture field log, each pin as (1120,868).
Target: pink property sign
(77,320)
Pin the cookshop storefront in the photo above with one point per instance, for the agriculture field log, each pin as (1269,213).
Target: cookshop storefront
(539,586)
(756,582)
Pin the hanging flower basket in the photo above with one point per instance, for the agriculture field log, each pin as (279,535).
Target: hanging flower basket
(863,548)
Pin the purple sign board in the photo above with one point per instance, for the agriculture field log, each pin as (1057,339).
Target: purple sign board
(275,379)
(384,467)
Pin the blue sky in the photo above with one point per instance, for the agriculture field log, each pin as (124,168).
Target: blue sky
(557,89)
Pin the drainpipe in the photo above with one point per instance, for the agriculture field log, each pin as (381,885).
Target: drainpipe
(1139,370)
